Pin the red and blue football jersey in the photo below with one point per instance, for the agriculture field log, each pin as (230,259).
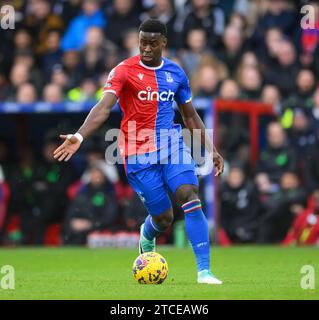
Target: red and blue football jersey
(145,96)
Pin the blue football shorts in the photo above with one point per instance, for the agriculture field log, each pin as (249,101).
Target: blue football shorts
(154,173)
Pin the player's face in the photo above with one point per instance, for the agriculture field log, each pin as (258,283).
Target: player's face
(151,47)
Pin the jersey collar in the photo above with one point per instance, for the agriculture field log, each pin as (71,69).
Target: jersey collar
(152,68)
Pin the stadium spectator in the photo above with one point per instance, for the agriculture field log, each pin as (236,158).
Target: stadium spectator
(285,71)
(94,208)
(26,58)
(301,135)
(22,40)
(196,47)
(305,227)
(249,59)
(239,206)
(232,48)
(22,201)
(134,213)
(277,15)
(314,111)
(277,157)
(52,54)
(273,38)
(52,93)
(305,85)
(4,85)
(67,10)
(208,81)
(71,66)
(19,74)
(250,82)
(130,44)
(271,95)
(203,15)
(164,11)
(311,173)
(280,208)
(60,78)
(229,90)
(50,182)
(95,156)
(26,93)
(87,91)
(121,18)
(94,53)
(39,21)
(91,16)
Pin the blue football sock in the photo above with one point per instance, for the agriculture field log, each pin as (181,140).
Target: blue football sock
(151,229)
(197,231)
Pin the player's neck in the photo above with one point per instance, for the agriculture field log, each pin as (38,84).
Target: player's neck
(156,65)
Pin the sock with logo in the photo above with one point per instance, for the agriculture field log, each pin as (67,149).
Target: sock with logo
(197,231)
(151,229)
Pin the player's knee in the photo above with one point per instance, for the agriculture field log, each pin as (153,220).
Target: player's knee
(164,220)
(186,193)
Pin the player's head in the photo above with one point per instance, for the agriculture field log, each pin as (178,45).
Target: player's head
(152,40)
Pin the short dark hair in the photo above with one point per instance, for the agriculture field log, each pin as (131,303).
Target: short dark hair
(153,25)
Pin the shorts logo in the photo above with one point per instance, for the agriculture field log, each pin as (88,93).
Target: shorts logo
(148,95)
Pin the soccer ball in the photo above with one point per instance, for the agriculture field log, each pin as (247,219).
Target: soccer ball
(150,268)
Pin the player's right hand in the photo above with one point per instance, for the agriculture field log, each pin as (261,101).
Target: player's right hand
(66,150)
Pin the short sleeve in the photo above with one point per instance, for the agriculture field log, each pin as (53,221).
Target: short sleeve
(184,93)
(115,80)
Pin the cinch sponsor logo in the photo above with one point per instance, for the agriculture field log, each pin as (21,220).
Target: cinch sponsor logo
(148,95)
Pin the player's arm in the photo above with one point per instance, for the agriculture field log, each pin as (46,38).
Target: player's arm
(97,116)
(193,121)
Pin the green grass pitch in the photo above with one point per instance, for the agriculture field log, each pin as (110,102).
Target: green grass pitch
(81,273)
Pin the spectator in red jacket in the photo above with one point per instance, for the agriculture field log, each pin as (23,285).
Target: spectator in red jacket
(305,228)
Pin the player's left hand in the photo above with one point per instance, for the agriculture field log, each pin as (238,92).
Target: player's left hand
(218,163)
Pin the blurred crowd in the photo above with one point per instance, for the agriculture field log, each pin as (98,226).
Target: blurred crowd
(251,50)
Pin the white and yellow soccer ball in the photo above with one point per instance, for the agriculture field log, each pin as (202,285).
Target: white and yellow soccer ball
(150,268)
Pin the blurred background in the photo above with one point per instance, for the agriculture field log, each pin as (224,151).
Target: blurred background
(254,76)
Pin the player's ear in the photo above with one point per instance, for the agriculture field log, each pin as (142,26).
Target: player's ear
(164,41)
